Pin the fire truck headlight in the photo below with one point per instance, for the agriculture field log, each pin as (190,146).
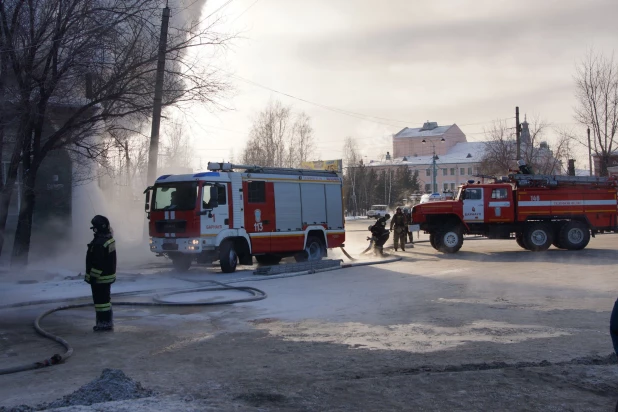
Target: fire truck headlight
(150,240)
(194,242)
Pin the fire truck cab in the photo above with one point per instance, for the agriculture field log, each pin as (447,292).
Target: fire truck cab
(537,210)
(230,216)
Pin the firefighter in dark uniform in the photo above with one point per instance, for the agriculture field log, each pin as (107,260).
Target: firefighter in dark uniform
(407,212)
(101,271)
(380,234)
(399,225)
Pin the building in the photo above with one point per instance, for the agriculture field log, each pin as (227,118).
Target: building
(409,142)
(456,160)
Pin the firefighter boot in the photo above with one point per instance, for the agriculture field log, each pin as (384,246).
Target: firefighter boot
(105,322)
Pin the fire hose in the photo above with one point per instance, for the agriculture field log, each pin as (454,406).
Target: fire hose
(159,301)
(257,294)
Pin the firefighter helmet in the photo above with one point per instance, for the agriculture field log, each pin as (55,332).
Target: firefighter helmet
(100,224)
(398,209)
(387,216)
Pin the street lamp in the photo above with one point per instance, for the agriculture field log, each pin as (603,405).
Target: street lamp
(433,162)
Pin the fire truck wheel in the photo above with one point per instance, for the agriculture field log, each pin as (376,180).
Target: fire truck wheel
(574,235)
(228,257)
(537,237)
(181,263)
(268,259)
(450,240)
(432,241)
(519,238)
(313,251)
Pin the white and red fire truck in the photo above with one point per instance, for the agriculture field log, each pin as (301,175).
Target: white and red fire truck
(230,216)
(538,210)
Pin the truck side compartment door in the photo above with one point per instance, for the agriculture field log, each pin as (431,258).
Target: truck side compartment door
(259,214)
(499,205)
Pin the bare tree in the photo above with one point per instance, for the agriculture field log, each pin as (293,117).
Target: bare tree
(275,141)
(596,82)
(500,149)
(352,160)
(302,144)
(80,68)
(177,147)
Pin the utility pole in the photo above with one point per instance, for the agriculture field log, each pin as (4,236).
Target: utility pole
(153,153)
(434,185)
(589,153)
(518,133)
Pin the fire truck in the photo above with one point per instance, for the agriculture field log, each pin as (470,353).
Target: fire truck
(233,212)
(537,210)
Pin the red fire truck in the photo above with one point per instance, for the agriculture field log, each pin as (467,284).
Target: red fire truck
(537,210)
(230,216)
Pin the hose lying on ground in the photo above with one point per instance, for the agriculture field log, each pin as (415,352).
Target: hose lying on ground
(157,301)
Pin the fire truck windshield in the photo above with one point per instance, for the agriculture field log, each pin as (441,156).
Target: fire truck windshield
(175,196)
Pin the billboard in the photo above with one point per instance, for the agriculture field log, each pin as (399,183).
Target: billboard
(332,165)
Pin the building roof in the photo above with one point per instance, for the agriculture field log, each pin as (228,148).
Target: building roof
(465,152)
(408,132)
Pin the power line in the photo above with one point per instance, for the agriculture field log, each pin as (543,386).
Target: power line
(246,10)
(361,116)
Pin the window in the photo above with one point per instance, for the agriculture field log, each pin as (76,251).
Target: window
(474,194)
(427,187)
(221,195)
(257,192)
(453,187)
(445,187)
(428,172)
(444,172)
(462,171)
(499,194)
(175,196)
(470,171)
(452,171)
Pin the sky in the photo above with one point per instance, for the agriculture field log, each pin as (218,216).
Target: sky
(396,64)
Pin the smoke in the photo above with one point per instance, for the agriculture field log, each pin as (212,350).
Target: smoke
(185,12)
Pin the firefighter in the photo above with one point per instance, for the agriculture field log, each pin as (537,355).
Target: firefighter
(380,234)
(408,214)
(101,271)
(399,224)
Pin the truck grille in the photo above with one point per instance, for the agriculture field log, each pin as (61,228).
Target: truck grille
(171,226)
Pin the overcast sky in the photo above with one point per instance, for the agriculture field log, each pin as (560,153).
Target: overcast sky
(450,61)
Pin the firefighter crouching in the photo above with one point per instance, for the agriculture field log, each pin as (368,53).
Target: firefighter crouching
(400,226)
(101,271)
(380,234)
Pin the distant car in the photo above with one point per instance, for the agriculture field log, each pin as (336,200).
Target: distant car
(377,211)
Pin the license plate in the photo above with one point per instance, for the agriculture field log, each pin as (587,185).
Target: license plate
(414,228)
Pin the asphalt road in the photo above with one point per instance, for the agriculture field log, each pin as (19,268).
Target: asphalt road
(492,327)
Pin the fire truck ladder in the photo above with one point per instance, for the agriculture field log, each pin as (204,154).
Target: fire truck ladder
(557,180)
(228,167)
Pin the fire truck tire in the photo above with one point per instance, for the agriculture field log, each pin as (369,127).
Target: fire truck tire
(537,237)
(449,240)
(519,238)
(432,241)
(574,235)
(314,250)
(268,259)
(228,257)
(181,263)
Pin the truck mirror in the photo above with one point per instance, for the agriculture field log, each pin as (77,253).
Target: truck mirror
(147,204)
(214,197)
